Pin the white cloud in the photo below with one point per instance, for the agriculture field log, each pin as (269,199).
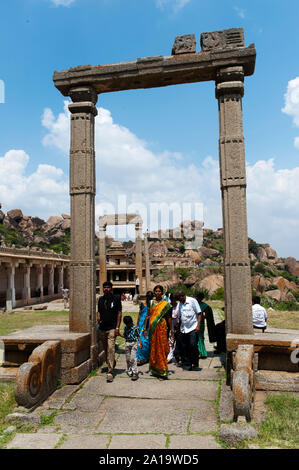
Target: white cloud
(240,12)
(176,5)
(64,3)
(291,107)
(43,193)
(125,165)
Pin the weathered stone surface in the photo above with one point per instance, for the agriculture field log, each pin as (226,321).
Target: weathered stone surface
(122,417)
(38,378)
(9,429)
(59,397)
(151,441)
(225,39)
(79,419)
(226,410)
(16,215)
(212,282)
(292,265)
(69,360)
(207,252)
(28,418)
(84,402)
(34,441)
(86,442)
(204,418)
(184,44)
(193,442)
(234,434)
(75,375)
(277,380)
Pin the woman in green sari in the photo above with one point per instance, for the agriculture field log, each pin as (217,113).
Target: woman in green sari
(159,326)
(201,335)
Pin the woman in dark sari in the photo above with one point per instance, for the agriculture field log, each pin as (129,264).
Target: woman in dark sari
(142,323)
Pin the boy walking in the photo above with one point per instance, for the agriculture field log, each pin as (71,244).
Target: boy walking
(131,335)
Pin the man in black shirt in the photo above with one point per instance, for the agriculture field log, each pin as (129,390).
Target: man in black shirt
(109,319)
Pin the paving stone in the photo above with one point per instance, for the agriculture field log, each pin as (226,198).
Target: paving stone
(149,441)
(79,419)
(168,389)
(204,418)
(125,415)
(23,418)
(84,402)
(226,409)
(234,434)
(34,441)
(85,442)
(193,442)
(59,397)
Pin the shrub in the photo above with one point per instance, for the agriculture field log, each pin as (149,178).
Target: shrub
(218,294)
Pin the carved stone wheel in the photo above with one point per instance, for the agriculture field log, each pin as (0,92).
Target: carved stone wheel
(28,384)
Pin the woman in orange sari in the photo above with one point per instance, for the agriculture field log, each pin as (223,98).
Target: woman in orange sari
(159,325)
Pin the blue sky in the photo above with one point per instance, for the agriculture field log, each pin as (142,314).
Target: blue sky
(171,132)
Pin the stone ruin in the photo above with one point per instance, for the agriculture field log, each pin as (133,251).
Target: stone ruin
(226,60)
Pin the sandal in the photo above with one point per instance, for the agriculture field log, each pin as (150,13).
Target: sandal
(134,377)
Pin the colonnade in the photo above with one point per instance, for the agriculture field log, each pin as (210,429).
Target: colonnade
(27,281)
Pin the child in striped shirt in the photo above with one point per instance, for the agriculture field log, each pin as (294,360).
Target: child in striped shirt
(131,335)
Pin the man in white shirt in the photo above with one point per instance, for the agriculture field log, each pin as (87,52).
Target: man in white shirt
(259,314)
(190,317)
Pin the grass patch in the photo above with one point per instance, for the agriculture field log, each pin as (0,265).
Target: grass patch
(20,320)
(282,422)
(286,320)
(7,404)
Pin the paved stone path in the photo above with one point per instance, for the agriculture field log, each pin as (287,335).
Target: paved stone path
(180,413)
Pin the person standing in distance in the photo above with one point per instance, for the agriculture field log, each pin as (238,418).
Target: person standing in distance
(109,319)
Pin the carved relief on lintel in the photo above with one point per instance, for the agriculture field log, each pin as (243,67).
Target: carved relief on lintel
(227,39)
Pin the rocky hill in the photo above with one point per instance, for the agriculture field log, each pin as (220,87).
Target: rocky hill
(273,277)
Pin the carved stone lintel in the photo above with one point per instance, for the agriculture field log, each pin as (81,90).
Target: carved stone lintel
(37,378)
(226,39)
(184,44)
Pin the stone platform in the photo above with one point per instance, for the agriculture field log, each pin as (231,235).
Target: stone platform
(75,349)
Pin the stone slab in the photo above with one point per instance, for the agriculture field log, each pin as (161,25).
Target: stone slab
(85,442)
(226,408)
(168,389)
(75,375)
(193,442)
(262,341)
(84,402)
(69,360)
(70,342)
(59,397)
(234,434)
(34,441)
(8,374)
(204,418)
(277,380)
(124,415)
(149,441)
(79,419)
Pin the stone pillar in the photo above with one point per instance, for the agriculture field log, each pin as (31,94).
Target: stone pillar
(60,278)
(237,278)
(82,192)
(27,288)
(11,291)
(138,231)
(102,255)
(147,263)
(51,280)
(40,272)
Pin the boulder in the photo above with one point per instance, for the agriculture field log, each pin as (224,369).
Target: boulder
(292,266)
(193,255)
(37,222)
(65,216)
(205,252)
(191,280)
(262,254)
(2,216)
(66,225)
(275,294)
(234,434)
(54,219)
(15,215)
(259,283)
(212,282)
(158,249)
(271,254)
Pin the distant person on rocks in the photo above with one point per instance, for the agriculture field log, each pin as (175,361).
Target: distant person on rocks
(259,314)
(142,323)
(109,319)
(131,335)
(190,319)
